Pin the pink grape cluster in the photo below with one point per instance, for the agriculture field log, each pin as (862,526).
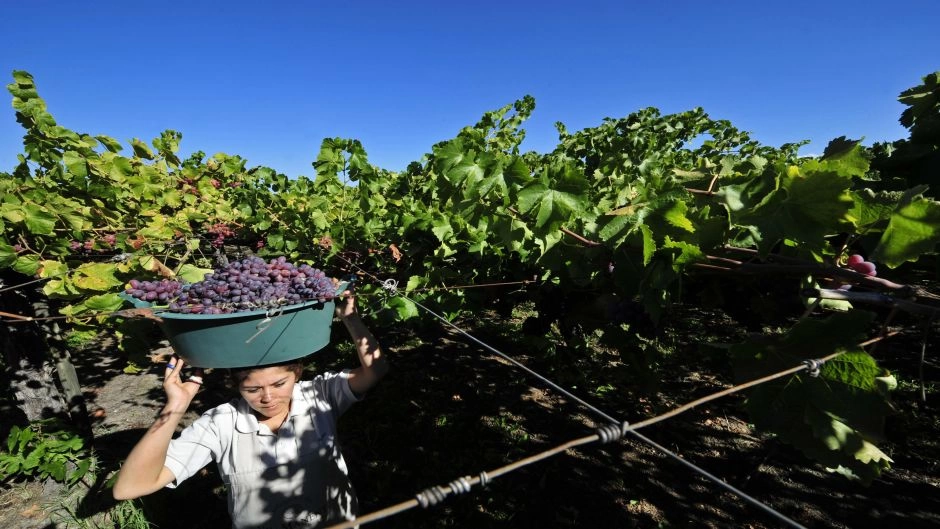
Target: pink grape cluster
(89,245)
(221,231)
(859,264)
(249,284)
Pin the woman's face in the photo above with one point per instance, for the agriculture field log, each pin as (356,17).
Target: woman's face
(268,390)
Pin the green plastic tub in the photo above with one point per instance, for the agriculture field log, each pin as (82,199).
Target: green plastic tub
(245,339)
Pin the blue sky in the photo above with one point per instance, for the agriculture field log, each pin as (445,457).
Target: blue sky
(270,80)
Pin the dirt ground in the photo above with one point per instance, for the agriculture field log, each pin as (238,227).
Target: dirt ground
(449,409)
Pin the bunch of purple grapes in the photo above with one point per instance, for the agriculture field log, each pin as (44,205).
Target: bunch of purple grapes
(249,284)
(154,291)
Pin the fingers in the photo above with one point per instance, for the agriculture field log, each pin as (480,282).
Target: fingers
(173,375)
(196,378)
(173,367)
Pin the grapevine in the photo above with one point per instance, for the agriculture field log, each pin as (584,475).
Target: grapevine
(633,209)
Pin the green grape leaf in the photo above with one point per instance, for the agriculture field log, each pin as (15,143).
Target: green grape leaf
(157,229)
(26,264)
(109,143)
(121,168)
(913,230)
(835,418)
(810,202)
(552,205)
(192,274)
(104,302)
(147,184)
(275,241)
(675,215)
(466,175)
(12,211)
(76,163)
(871,210)
(616,227)
(7,255)
(686,254)
(59,287)
(747,195)
(922,102)
(141,149)
(845,157)
(232,165)
(442,228)
(38,220)
(77,220)
(404,309)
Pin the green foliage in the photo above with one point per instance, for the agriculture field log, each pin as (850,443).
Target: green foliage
(916,159)
(836,417)
(79,338)
(123,515)
(45,449)
(922,117)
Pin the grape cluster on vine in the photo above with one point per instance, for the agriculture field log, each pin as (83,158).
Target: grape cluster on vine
(221,231)
(859,264)
(90,245)
(247,284)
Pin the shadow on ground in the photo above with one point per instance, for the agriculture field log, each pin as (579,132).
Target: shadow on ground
(448,409)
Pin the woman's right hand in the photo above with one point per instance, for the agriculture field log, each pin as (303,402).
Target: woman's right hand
(179,392)
(145,471)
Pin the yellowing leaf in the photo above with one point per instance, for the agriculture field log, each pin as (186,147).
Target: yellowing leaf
(151,263)
(53,269)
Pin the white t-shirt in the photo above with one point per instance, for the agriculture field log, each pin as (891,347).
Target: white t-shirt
(275,477)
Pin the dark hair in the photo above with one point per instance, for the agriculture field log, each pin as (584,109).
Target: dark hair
(239,374)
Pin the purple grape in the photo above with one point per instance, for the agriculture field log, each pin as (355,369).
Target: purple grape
(249,284)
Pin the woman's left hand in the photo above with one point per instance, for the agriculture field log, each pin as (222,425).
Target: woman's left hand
(346,304)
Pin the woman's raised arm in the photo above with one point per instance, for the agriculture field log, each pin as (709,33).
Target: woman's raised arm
(372,364)
(144,472)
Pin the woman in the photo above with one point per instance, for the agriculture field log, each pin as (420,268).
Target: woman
(275,447)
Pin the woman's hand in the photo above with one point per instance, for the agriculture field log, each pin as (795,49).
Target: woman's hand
(179,392)
(145,471)
(372,365)
(346,304)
